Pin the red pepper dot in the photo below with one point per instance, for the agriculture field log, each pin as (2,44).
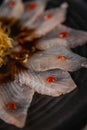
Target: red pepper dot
(64,35)
(32,6)
(51,79)
(11,4)
(48,16)
(12,106)
(62,57)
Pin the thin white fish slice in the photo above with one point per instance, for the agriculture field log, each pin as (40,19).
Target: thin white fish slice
(45,25)
(21,95)
(58,57)
(72,37)
(12,9)
(48,21)
(46,44)
(32,11)
(40,81)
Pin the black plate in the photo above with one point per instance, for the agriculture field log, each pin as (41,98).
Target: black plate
(67,112)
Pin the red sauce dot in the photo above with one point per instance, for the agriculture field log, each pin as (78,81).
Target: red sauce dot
(12,106)
(32,6)
(64,35)
(48,16)
(11,4)
(51,79)
(62,57)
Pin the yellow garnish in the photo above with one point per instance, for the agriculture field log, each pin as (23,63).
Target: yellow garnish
(5,45)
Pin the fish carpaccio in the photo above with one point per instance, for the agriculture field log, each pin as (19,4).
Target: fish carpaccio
(57,57)
(64,36)
(44,53)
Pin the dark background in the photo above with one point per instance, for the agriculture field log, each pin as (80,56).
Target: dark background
(67,112)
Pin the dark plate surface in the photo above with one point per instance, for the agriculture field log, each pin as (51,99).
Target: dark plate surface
(67,112)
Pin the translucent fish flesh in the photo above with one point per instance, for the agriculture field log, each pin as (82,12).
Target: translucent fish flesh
(12,9)
(48,21)
(32,12)
(64,36)
(57,57)
(40,58)
(13,102)
(46,44)
(52,82)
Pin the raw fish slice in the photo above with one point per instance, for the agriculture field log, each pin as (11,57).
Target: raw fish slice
(12,9)
(73,37)
(46,44)
(53,82)
(48,21)
(58,57)
(32,11)
(14,102)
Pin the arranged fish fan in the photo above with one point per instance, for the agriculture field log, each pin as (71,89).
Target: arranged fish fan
(49,20)
(44,23)
(38,58)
